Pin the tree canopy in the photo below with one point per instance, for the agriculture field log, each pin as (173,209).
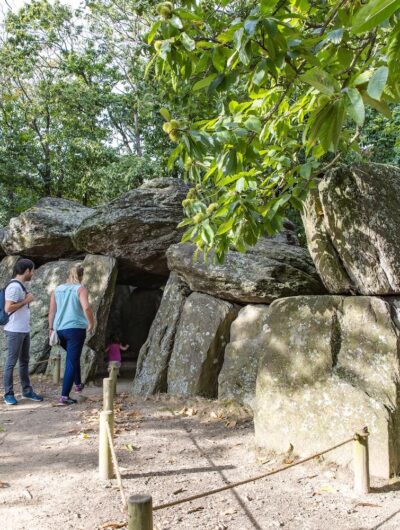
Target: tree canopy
(282,88)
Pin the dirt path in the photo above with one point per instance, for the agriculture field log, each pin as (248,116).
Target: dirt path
(48,469)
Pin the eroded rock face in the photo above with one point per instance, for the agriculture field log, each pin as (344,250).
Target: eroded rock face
(137,227)
(200,340)
(154,356)
(268,271)
(331,366)
(237,379)
(2,251)
(352,224)
(45,230)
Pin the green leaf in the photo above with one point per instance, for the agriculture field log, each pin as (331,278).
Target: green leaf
(153,31)
(260,73)
(187,42)
(356,107)
(219,59)
(204,83)
(165,114)
(320,80)
(176,22)
(253,124)
(377,82)
(225,227)
(373,14)
(335,36)
(380,106)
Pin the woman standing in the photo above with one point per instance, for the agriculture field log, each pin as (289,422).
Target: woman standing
(71,316)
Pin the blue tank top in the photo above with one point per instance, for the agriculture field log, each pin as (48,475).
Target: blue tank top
(69,312)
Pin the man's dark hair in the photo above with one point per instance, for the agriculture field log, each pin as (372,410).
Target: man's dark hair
(23,264)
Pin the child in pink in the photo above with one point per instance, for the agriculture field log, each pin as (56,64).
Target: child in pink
(114,349)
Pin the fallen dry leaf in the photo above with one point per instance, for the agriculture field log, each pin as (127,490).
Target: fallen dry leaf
(231,424)
(4,484)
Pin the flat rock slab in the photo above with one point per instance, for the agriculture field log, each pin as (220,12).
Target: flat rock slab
(268,271)
(45,230)
(331,366)
(237,379)
(200,340)
(154,356)
(137,227)
(352,223)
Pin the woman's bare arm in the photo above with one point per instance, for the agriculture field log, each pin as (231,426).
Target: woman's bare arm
(84,300)
(52,310)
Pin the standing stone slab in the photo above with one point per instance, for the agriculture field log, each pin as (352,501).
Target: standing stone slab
(353,229)
(200,341)
(99,278)
(270,270)
(45,230)
(237,379)
(138,226)
(331,366)
(154,356)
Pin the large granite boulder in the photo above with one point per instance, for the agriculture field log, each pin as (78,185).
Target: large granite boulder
(200,340)
(99,278)
(237,379)
(268,271)
(137,227)
(44,231)
(331,366)
(352,223)
(154,356)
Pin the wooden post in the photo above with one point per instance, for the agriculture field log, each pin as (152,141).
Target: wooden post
(57,369)
(361,462)
(105,460)
(108,394)
(113,376)
(140,512)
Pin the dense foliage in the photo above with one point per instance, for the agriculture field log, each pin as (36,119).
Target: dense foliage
(282,90)
(249,100)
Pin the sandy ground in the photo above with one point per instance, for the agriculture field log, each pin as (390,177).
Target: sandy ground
(48,470)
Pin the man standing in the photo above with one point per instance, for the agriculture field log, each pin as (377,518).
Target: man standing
(17,331)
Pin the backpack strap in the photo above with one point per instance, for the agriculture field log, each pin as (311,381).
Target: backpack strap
(19,283)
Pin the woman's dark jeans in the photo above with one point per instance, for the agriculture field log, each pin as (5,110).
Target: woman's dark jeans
(72,340)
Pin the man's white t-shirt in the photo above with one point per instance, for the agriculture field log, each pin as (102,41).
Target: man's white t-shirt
(19,320)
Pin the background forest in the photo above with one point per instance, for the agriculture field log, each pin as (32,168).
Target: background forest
(80,108)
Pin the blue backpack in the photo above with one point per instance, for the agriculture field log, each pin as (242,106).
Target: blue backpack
(4,316)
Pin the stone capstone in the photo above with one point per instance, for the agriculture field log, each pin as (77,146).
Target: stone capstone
(200,340)
(331,366)
(268,271)
(237,379)
(154,356)
(137,227)
(45,230)
(352,224)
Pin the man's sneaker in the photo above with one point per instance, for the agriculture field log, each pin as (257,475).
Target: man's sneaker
(78,388)
(33,396)
(64,400)
(10,400)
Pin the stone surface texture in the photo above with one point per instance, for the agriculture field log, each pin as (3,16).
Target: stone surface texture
(237,379)
(200,340)
(45,230)
(155,354)
(331,366)
(353,229)
(268,271)
(138,226)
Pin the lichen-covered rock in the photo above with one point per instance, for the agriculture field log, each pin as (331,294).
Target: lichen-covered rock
(200,340)
(45,230)
(154,356)
(352,225)
(237,379)
(138,226)
(268,271)
(331,366)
